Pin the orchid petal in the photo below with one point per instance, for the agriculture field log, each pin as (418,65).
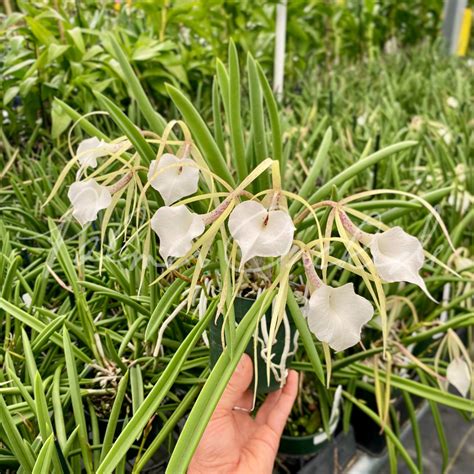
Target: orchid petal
(176,227)
(336,315)
(88,198)
(92,148)
(173,177)
(459,375)
(398,256)
(260,232)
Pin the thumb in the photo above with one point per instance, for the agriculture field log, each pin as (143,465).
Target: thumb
(238,384)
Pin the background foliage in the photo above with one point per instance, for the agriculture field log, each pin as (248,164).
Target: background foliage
(77,363)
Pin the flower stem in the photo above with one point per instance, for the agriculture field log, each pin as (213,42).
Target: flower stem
(314,281)
(360,235)
(121,183)
(301,216)
(210,217)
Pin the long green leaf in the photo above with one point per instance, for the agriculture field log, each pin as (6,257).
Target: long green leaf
(235,121)
(421,390)
(77,406)
(174,418)
(127,127)
(201,134)
(156,122)
(42,413)
(43,461)
(415,429)
(258,122)
(388,431)
(274,117)
(38,326)
(213,389)
(154,398)
(85,124)
(114,416)
(358,167)
(14,438)
(306,337)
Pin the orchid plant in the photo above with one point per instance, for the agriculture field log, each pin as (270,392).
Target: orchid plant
(228,222)
(260,226)
(108,312)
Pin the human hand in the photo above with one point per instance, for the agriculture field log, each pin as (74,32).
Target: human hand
(234,441)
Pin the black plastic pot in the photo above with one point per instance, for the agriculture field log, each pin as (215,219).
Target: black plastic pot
(241,307)
(300,445)
(331,456)
(367,431)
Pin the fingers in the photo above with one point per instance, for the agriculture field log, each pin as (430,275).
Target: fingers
(235,392)
(267,406)
(278,410)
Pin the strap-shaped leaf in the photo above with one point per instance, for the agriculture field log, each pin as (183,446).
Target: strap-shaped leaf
(154,398)
(214,387)
(358,167)
(274,117)
(127,127)
(43,461)
(76,400)
(38,326)
(201,134)
(85,124)
(14,437)
(235,121)
(154,119)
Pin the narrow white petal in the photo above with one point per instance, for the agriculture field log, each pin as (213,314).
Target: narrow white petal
(88,198)
(176,227)
(259,232)
(459,375)
(173,177)
(336,315)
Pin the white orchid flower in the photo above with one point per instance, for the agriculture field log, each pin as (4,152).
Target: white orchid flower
(336,315)
(260,232)
(173,177)
(445,134)
(416,123)
(92,148)
(452,102)
(88,198)
(362,120)
(391,46)
(176,227)
(26,297)
(459,375)
(398,256)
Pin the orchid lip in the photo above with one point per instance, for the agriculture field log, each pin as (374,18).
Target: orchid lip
(260,232)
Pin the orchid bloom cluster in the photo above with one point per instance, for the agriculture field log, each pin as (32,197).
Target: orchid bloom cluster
(88,197)
(259,229)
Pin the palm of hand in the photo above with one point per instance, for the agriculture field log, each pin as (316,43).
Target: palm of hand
(234,441)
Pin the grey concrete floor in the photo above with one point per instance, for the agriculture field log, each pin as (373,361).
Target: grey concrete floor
(460,441)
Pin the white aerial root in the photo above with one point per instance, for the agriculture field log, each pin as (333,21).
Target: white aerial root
(279,370)
(202,308)
(165,325)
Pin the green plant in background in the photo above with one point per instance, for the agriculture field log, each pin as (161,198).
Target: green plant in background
(100,365)
(58,49)
(123,321)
